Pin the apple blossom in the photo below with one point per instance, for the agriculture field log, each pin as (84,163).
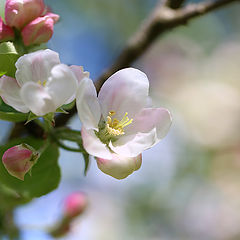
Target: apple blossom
(18,13)
(42,83)
(116,125)
(75,204)
(6,33)
(18,160)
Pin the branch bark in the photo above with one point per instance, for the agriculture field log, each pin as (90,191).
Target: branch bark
(164,18)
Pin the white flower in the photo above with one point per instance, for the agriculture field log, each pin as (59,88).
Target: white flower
(42,83)
(116,125)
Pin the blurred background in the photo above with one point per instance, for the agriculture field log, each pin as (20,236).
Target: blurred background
(188,185)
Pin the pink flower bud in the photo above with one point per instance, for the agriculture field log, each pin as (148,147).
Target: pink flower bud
(38,31)
(18,13)
(75,204)
(54,16)
(6,33)
(19,160)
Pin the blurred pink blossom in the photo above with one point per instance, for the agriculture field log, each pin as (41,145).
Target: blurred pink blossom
(75,204)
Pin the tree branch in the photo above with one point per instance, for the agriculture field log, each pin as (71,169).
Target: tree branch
(164,18)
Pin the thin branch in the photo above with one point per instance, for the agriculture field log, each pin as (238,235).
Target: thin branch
(161,20)
(174,4)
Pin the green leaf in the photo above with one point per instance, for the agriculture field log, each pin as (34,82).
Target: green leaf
(9,199)
(68,106)
(45,173)
(2,8)
(8,57)
(13,117)
(7,113)
(61,110)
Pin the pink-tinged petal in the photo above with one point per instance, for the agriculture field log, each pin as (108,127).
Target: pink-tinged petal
(61,85)
(150,118)
(125,91)
(146,130)
(18,13)
(54,16)
(133,145)
(6,32)
(36,66)
(93,145)
(37,99)
(79,72)
(88,106)
(10,93)
(119,167)
(40,30)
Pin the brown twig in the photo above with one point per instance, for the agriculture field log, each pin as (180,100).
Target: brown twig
(165,17)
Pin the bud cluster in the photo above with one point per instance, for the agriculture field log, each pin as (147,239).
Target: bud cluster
(31,20)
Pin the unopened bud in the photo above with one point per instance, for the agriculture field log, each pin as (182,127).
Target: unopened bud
(38,31)
(6,32)
(75,204)
(18,13)
(19,160)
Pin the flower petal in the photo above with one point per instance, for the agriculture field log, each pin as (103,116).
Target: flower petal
(119,167)
(146,130)
(36,66)
(150,118)
(79,72)
(37,99)
(93,145)
(133,145)
(61,85)
(88,106)
(10,93)
(125,91)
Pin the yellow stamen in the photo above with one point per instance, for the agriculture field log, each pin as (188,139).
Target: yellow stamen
(115,127)
(42,83)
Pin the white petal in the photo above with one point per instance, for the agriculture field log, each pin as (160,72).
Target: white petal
(37,99)
(61,85)
(79,72)
(146,130)
(10,93)
(36,66)
(93,145)
(119,167)
(150,118)
(88,106)
(125,91)
(136,145)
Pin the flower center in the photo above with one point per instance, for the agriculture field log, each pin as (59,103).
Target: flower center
(42,83)
(114,126)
